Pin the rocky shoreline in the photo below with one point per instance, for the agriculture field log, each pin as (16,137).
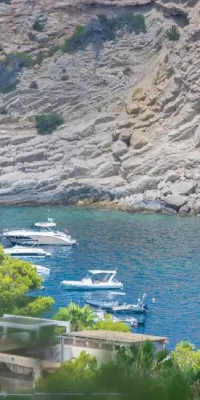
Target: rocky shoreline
(174,195)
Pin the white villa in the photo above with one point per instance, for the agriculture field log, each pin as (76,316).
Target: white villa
(29,346)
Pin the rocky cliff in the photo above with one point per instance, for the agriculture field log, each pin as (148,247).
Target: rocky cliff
(131,132)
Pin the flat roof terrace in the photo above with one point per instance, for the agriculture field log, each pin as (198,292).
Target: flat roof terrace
(117,338)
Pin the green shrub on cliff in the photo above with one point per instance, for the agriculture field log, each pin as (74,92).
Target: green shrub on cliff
(173,33)
(5,1)
(47,123)
(24,60)
(10,87)
(97,31)
(38,25)
(3,111)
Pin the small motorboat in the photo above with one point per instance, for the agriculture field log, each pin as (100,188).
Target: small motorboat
(97,280)
(46,225)
(42,270)
(20,251)
(133,322)
(115,306)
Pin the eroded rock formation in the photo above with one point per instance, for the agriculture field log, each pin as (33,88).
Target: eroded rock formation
(131,109)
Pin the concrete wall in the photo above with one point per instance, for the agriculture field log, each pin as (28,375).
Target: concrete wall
(15,384)
(100,354)
(70,351)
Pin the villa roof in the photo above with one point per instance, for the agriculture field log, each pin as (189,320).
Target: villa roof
(12,321)
(29,323)
(118,337)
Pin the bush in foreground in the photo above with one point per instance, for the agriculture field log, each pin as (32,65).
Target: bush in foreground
(17,279)
(139,373)
(47,123)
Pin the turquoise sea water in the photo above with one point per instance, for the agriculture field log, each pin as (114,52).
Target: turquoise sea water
(156,254)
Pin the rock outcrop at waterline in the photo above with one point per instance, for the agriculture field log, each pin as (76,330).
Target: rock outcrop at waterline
(131,135)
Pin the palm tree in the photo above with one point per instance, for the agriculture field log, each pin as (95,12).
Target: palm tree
(80,317)
(142,357)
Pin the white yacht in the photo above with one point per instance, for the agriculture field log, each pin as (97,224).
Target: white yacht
(43,234)
(20,251)
(97,279)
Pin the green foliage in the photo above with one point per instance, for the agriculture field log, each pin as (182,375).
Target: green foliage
(80,317)
(144,378)
(31,36)
(109,325)
(33,85)
(173,33)
(17,278)
(36,307)
(47,123)
(64,78)
(142,358)
(73,374)
(3,111)
(186,357)
(24,59)
(53,51)
(39,58)
(38,25)
(104,29)
(9,88)
(68,44)
(127,71)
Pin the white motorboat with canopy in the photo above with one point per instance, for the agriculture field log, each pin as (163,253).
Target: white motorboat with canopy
(97,280)
(43,234)
(20,251)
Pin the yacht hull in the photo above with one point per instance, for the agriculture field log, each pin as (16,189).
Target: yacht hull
(90,287)
(40,240)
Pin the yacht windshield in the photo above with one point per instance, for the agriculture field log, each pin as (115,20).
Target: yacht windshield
(100,277)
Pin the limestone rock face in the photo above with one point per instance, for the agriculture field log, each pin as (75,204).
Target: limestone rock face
(119,148)
(184,188)
(175,201)
(130,107)
(197,137)
(172,176)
